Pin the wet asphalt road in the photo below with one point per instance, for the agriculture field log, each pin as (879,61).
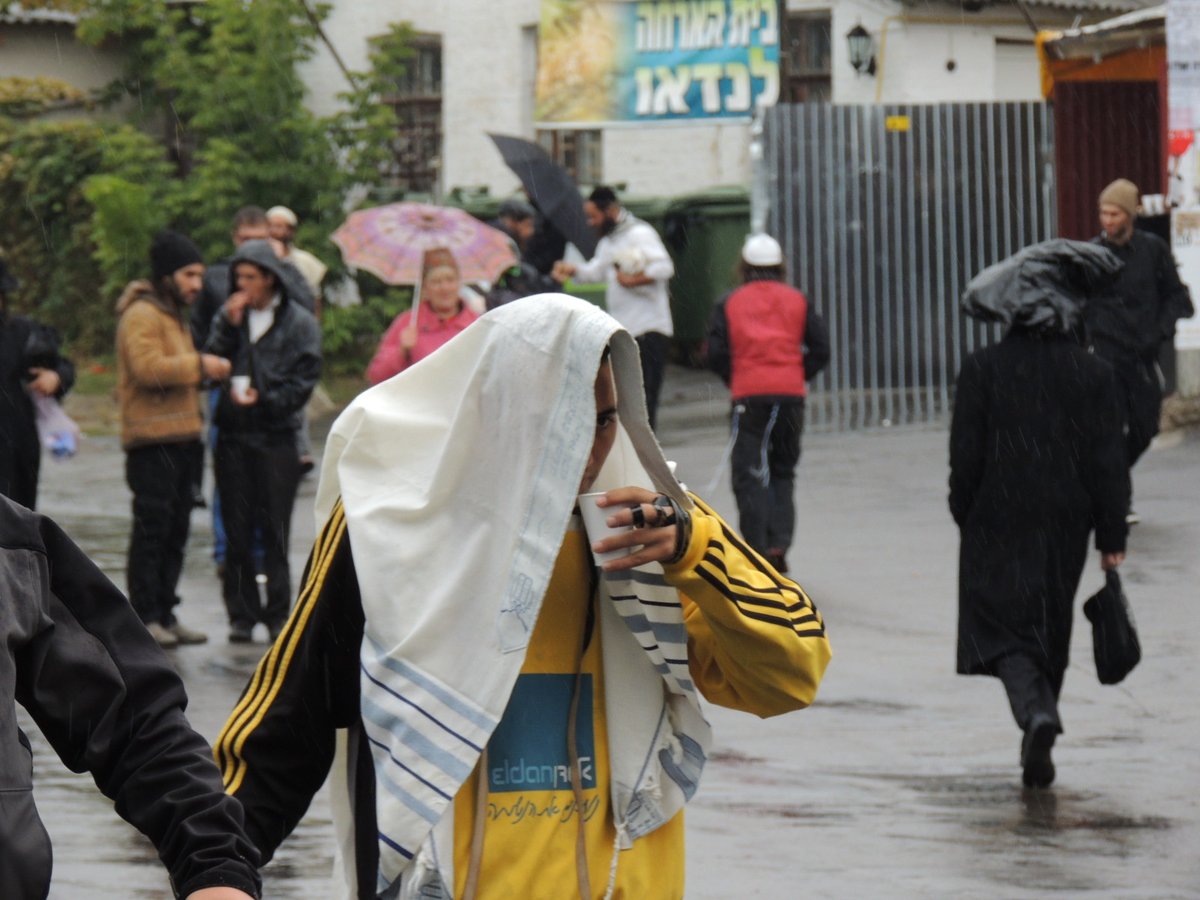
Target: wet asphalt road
(902,781)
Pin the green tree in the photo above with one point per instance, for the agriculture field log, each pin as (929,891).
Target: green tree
(366,130)
(220,80)
(217,121)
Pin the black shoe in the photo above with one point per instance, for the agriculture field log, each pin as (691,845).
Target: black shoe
(778,561)
(198,501)
(241,634)
(1037,769)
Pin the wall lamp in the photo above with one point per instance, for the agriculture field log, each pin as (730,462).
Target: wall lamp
(862,50)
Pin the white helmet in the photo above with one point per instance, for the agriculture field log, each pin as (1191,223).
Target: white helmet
(762,250)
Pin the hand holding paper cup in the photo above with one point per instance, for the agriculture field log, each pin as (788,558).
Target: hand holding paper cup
(595,524)
(239,385)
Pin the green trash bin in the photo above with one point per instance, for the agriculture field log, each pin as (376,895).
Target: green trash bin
(704,232)
(652,210)
(479,202)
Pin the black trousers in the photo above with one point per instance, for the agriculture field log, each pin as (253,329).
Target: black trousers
(766,452)
(160,476)
(653,348)
(1032,689)
(257,479)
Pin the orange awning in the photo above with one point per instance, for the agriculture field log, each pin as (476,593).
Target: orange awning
(1131,47)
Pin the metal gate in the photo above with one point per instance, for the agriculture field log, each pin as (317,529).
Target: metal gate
(884,214)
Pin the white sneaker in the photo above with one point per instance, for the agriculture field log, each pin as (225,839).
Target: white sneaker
(1132,518)
(165,637)
(186,635)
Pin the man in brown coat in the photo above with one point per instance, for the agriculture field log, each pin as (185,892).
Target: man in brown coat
(158,375)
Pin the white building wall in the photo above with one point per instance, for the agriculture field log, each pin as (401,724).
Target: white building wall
(486,69)
(676,159)
(913,46)
(45,50)
(487,59)
(488,50)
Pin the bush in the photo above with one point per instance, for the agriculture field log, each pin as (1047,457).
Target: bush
(80,201)
(351,334)
(46,224)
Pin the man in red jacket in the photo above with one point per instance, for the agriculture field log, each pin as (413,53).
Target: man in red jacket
(766,342)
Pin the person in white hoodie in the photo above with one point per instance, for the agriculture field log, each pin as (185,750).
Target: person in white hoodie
(632,260)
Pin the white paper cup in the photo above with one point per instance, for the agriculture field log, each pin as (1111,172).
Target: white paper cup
(238,385)
(597,528)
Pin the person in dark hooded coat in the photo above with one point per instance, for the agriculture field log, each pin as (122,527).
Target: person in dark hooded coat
(276,343)
(30,363)
(1037,462)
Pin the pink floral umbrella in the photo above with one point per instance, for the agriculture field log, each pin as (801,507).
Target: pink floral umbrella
(389,241)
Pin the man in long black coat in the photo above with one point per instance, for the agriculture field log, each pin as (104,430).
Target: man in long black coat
(1036,463)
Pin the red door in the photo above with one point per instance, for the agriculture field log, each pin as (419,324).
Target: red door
(1103,131)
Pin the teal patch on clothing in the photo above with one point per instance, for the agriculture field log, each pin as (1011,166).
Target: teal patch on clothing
(528,750)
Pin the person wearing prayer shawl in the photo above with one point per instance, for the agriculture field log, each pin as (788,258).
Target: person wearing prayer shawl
(503,718)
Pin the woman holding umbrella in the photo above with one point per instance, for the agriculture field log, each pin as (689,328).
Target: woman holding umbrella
(439,315)
(1036,464)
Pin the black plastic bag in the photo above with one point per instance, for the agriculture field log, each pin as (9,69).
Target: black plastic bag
(1114,639)
(1041,287)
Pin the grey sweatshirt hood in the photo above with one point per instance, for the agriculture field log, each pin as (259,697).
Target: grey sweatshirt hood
(260,253)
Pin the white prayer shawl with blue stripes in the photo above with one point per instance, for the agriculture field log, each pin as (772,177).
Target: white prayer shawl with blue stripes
(458,478)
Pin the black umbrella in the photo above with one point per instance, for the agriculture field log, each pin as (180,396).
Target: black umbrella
(550,188)
(1043,286)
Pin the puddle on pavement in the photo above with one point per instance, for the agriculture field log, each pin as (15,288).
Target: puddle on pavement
(1000,803)
(105,539)
(734,758)
(799,814)
(238,666)
(1044,811)
(863,705)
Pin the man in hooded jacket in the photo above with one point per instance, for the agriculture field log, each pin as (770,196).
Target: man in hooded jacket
(276,344)
(159,374)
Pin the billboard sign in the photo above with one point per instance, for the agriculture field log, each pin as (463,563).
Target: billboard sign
(606,61)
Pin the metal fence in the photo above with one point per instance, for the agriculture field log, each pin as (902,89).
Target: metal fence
(884,214)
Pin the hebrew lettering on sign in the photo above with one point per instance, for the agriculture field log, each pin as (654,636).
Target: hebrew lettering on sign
(657,60)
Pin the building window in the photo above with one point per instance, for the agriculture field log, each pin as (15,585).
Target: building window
(577,151)
(417,100)
(806,57)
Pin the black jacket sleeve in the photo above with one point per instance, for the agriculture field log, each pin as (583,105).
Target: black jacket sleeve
(716,355)
(43,351)
(1175,300)
(277,747)
(109,702)
(816,345)
(223,336)
(214,292)
(286,384)
(968,439)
